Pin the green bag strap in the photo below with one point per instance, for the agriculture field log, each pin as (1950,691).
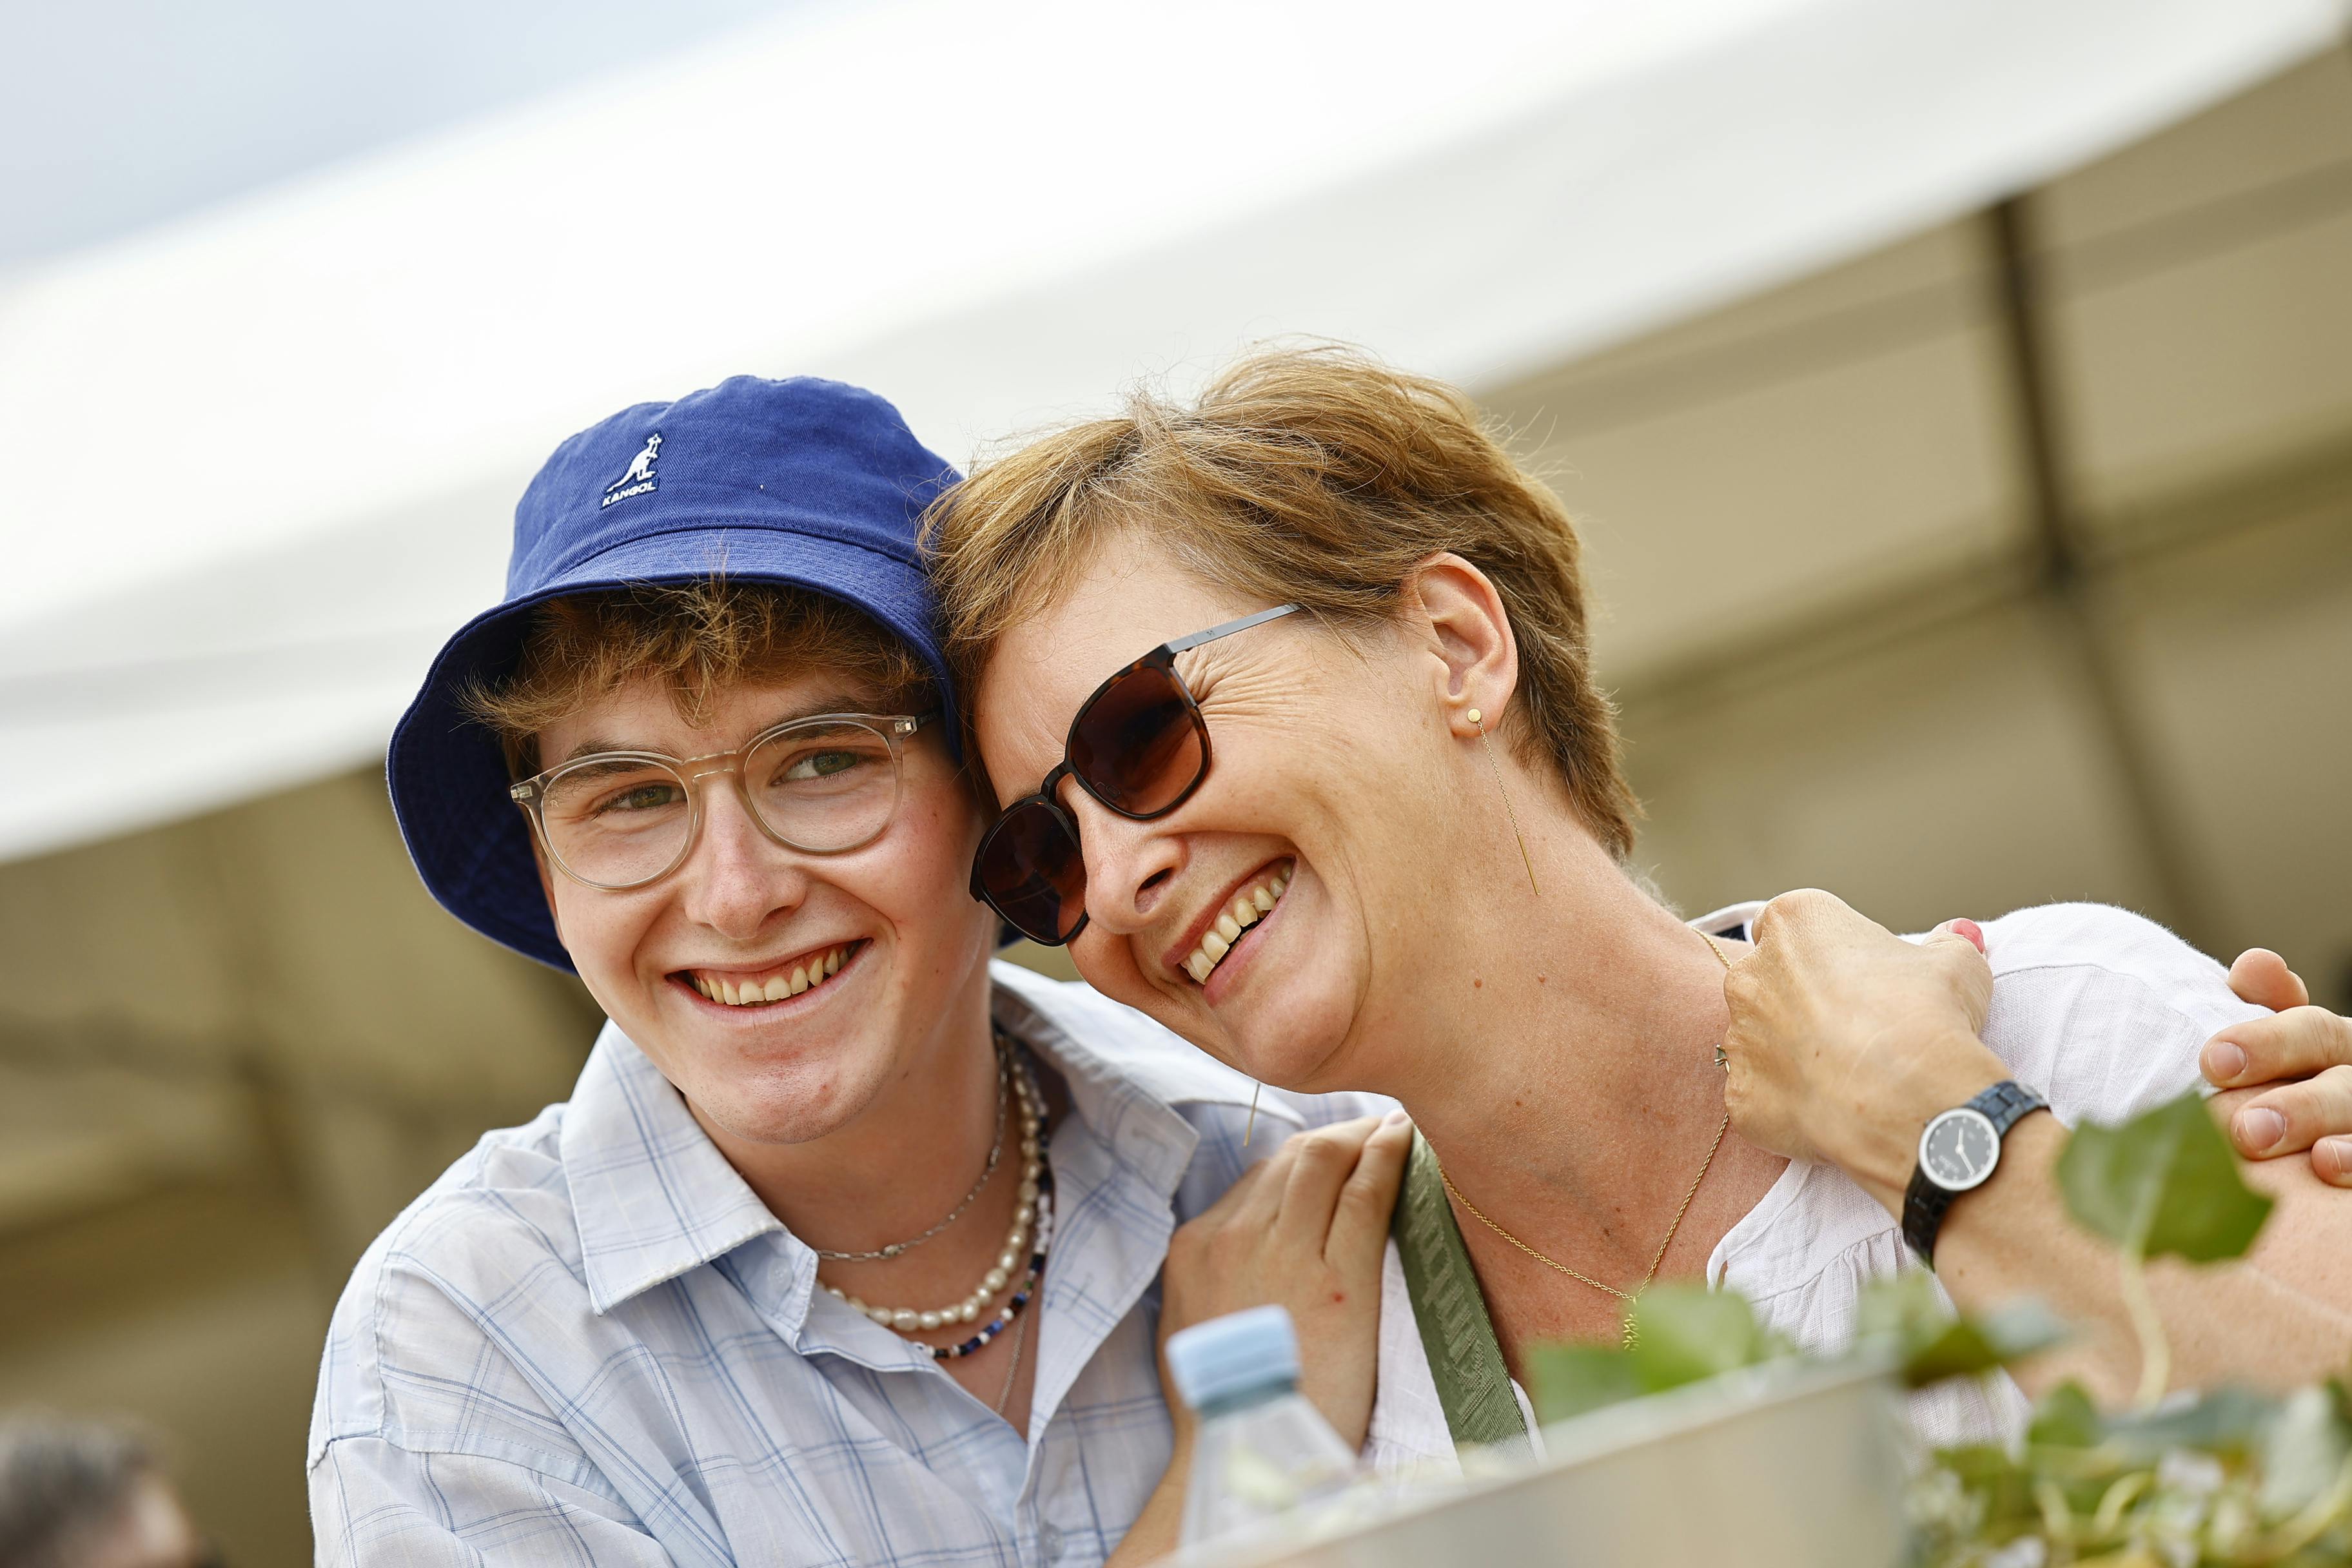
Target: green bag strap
(1465,1358)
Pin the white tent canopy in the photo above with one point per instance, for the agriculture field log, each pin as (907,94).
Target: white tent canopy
(261,462)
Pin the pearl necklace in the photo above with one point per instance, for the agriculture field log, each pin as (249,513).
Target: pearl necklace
(1034,1207)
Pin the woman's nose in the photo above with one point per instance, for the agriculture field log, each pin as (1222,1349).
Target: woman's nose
(1130,865)
(737,877)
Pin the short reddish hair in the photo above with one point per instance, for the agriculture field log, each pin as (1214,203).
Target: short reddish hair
(1317,477)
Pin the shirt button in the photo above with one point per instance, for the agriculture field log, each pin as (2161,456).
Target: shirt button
(1049,1543)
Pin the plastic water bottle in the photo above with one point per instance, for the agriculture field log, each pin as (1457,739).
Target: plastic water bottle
(1262,1449)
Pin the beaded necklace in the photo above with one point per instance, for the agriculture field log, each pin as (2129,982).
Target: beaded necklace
(1034,1208)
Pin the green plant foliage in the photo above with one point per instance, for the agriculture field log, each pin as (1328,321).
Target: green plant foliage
(2229,1422)
(1907,1319)
(2163,1183)
(2231,1480)
(2224,1479)
(1685,1333)
(1969,1346)
(2304,1453)
(1568,1379)
(2066,1419)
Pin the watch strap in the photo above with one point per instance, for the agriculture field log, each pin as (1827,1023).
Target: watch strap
(1926,1201)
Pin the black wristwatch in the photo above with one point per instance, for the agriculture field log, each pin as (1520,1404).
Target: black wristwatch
(1960,1151)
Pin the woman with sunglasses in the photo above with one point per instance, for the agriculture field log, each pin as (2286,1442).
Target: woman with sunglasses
(1358,823)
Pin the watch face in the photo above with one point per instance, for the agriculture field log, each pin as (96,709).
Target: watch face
(1959,1150)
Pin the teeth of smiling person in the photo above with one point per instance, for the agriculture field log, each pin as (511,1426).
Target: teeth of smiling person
(776,987)
(1248,908)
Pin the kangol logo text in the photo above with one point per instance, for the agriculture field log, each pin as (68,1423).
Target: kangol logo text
(638,476)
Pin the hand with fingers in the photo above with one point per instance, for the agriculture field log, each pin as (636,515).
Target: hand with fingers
(1843,1038)
(1304,1229)
(2309,1045)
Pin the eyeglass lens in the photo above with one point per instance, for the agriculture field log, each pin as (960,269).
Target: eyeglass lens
(619,821)
(1135,747)
(1035,873)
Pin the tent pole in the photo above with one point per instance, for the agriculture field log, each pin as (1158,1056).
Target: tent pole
(2072,588)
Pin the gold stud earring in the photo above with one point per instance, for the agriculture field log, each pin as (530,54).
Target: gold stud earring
(1525,859)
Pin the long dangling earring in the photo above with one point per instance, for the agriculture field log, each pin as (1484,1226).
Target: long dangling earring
(1525,859)
(1251,1125)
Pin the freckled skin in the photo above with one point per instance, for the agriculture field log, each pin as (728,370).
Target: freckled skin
(742,897)
(1315,759)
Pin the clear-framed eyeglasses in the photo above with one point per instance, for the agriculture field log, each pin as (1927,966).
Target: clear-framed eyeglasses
(824,784)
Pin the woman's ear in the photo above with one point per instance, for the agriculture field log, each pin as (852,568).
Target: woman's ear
(1452,608)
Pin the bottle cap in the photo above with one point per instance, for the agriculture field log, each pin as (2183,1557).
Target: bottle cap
(1233,1354)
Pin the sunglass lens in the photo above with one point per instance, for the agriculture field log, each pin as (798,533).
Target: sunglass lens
(1135,745)
(1033,873)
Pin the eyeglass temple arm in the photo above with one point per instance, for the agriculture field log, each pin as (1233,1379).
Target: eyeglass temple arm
(1229,628)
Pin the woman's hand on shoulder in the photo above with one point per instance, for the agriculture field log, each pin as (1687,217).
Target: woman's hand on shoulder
(1306,1229)
(2299,1062)
(1843,1038)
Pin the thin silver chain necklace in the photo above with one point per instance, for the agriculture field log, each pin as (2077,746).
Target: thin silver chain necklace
(995,1153)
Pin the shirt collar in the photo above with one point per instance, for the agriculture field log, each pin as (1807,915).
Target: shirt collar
(651,1194)
(653,1197)
(1129,1078)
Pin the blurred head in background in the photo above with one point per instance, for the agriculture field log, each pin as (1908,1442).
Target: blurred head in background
(83,1494)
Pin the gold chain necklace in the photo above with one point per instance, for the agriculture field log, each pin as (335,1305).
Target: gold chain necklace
(1631,1337)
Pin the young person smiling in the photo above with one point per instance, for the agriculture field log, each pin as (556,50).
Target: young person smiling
(1358,824)
(846,1248)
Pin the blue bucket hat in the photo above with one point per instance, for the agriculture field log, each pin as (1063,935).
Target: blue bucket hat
(803,482)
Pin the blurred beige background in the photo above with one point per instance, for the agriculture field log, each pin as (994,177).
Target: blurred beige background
(2010,562)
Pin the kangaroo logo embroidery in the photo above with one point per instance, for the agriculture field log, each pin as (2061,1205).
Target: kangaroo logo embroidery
(638,476)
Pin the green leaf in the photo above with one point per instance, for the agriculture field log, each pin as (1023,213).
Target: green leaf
(1970,1346)
(2228,1421)
(1908,1314)
(1685,1333)
(2066,1419)
(2302,1453)
(1907,1307)
(1568,1379)
(1977,1464)
(2003,1487)
(2162,1184)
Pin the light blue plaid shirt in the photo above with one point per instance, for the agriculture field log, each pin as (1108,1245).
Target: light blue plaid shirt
(589,1343)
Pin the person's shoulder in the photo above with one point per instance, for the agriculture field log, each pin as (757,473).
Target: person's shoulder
(1092,1032)
(2106,1008)
(2108,936)
(505,1198)
(421,1305)
(2114,952)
